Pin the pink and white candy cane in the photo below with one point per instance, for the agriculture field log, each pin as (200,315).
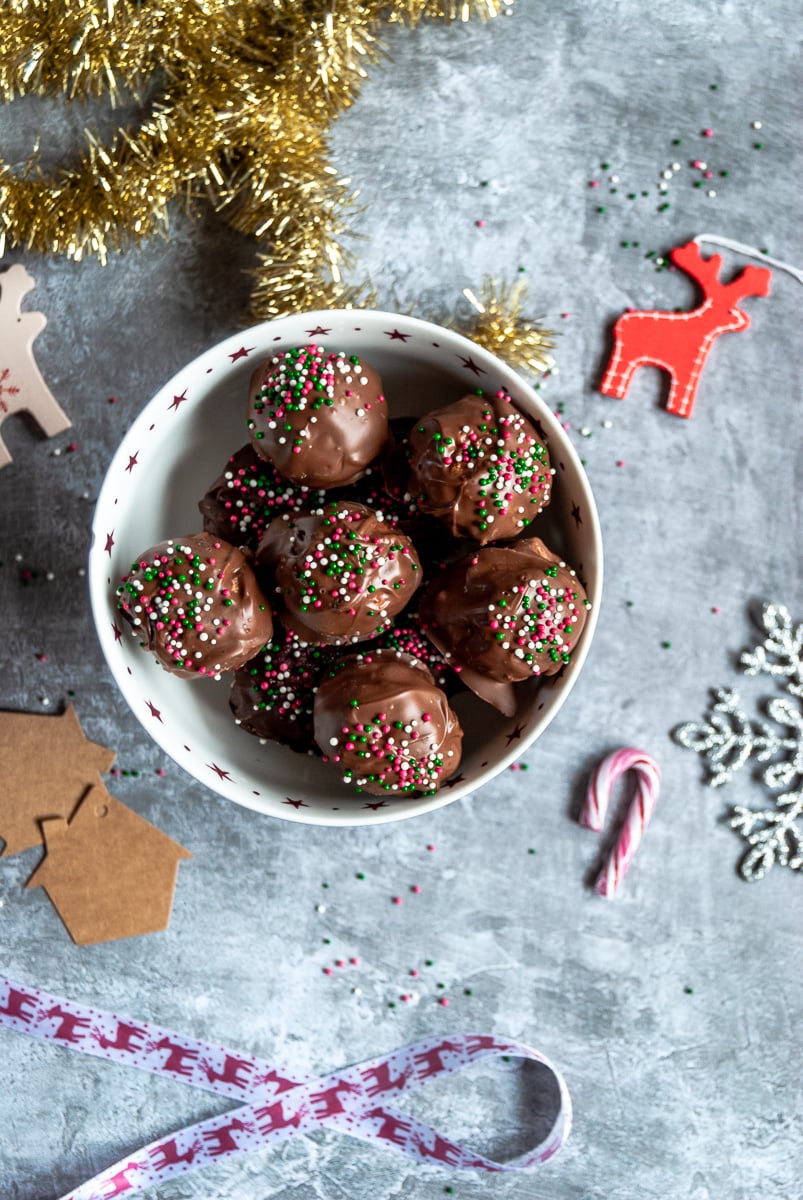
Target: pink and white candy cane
(598,795)
(274,1104)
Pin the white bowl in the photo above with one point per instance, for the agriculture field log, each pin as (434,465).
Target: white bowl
(180,443)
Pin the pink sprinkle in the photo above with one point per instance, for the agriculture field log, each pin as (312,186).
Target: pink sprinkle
(355,962)
(406,997)
(160,771)
(565,316)
(340,962)
(620,462)
(414,973)
(480,224)
(715,610)
(112,399)
(697,162)
(397,899)
(415,888)
(708,133)
(444,1001)
(327,970)
(593,183)
(72,447)
(430,847)
(42,657)
(708,174)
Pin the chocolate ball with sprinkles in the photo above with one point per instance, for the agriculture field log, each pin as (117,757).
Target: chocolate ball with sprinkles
(480,466)
(341,573)
(505,614)
(383,722)
(319,416)
(404,637)
(195,603)
(247,495)
(272,696)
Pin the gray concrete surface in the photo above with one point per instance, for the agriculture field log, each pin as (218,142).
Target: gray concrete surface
(672,1011)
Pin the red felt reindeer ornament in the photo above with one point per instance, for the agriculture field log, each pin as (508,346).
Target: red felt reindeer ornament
(678,343)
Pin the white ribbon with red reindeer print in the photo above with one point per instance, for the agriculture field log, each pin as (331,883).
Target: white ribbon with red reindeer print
(275,1105)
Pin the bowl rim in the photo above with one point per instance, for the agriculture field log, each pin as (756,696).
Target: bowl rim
(98,586)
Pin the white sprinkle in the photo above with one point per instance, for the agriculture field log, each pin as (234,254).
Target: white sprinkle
(711,193)
(756,124)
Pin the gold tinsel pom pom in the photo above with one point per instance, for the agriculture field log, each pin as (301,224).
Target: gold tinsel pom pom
(501,327)
(249,88)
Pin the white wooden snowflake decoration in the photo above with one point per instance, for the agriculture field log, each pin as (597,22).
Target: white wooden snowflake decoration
(728,739)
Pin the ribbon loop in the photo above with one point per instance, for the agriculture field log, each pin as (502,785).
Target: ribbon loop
(274,1104)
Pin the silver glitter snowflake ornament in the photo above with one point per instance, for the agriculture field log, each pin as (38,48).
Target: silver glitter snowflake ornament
(728,739)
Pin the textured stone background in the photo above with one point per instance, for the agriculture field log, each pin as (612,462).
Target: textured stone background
(693,1095)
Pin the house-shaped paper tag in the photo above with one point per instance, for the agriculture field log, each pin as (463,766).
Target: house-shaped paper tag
(108,872)
(46,765)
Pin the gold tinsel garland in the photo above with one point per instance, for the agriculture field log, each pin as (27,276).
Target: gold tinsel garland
(248,89)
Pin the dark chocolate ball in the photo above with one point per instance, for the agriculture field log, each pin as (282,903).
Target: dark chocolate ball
(272,696)
(249,492)
(341,573)
(319,416)
(381,719)
(480,466)
(195,602)
(504,614)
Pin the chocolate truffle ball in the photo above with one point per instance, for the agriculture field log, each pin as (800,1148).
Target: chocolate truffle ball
(504,614)
(480,466)
(389,729)
(195,603)
(320,417)
(247,495)
(341,573)
(272,696)
(404,637)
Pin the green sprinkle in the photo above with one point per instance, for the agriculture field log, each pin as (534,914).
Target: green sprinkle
(689,991)
(666,645)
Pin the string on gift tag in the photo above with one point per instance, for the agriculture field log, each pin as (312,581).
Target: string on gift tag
(275,1103)
(642,806)
(749,252)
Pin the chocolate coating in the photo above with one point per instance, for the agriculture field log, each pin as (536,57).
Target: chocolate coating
(272,696)
(341,573)
(386,725)
(504,614)
(247,495)
(480,466)
(195,602)
(320,417)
